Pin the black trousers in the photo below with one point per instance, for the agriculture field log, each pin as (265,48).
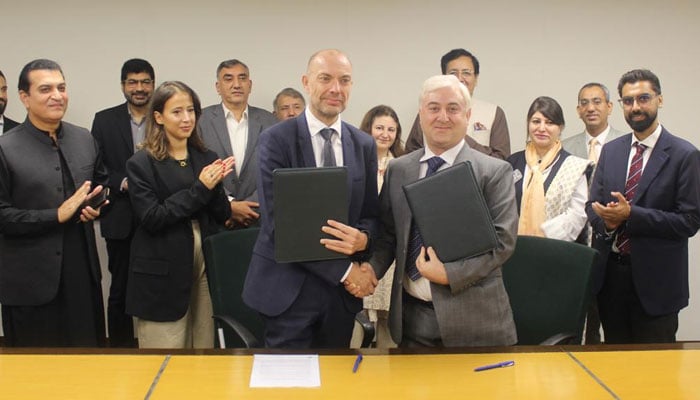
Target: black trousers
(622,315)
(120,326)
(318,318)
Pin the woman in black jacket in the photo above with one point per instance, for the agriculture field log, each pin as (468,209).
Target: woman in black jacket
(175,187)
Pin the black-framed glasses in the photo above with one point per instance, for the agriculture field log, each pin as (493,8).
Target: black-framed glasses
(642,99)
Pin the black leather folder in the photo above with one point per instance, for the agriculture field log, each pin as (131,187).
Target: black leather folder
(451,213)
(305,198)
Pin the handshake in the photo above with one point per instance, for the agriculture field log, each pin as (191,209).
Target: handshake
(361,280)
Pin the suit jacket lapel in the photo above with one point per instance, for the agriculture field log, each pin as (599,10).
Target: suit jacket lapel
(219,122)
(254,128)
(305,150)
(349,152)
(124,129)
(657,159)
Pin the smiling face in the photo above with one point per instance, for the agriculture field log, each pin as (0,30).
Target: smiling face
(178,117)
(543,133)
(594,109)
(138,88)
(384,133)
(328,81)
(47,100)
(642,114)
(443,117)
(463,68)
(234,85)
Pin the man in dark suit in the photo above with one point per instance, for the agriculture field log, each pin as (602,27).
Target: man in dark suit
(117,131)
(305,304)
(232,128)
(459,303)
(5,123)
(644,205)
(49,269)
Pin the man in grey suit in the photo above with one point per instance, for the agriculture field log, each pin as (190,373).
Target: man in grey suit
(49,270)
(232,128)
(594,107)
(460,303)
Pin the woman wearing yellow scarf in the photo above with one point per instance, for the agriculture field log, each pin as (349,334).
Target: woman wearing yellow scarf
(550,183)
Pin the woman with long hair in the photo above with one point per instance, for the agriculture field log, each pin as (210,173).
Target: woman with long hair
(176,192)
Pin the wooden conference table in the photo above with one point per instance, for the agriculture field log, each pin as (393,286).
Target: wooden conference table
(561,372)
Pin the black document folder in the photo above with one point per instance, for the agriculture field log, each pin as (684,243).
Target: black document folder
(305,198)
(451,213)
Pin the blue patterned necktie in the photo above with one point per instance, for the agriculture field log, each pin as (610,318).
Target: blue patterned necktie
(415,241)
(328,155)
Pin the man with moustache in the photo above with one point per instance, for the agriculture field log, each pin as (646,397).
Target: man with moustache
(593,107)
(644,204)
(459,303)
(49,269)
(232,128)
(5,123)
(288,104)
(118,131)
(487,131)
(306,304)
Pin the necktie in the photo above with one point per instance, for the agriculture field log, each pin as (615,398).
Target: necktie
(635,173)
(415,241)
(327,156)
(593,150)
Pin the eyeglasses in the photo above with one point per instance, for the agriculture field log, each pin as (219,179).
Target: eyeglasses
(643,99)
(596,101)
(464,72)
(135,82)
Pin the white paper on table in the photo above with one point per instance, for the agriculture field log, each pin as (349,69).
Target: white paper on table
(272,370)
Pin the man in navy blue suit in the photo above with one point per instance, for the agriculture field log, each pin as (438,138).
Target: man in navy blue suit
(644,204)
(313,304)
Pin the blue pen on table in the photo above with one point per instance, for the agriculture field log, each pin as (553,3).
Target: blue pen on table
(356,366)
(497,365)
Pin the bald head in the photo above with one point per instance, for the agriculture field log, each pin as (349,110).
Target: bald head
(328,81)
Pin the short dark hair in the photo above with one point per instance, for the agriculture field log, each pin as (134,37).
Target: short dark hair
(289,92)
(396,148)
(598,85)
(135,66)
(230,64)
(455,54)
(637,75)
(2,75)
(41,63)
(549,108)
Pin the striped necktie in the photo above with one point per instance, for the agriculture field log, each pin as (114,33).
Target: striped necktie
(635,173)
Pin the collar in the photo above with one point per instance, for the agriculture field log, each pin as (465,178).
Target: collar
(315,125)
(228,113)
(650,140)
(601,137)
(449,155)
(43,136)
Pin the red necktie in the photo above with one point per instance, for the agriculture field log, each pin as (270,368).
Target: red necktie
(635,173)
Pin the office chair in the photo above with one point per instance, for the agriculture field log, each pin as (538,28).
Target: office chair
(549,285)
(227,256)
